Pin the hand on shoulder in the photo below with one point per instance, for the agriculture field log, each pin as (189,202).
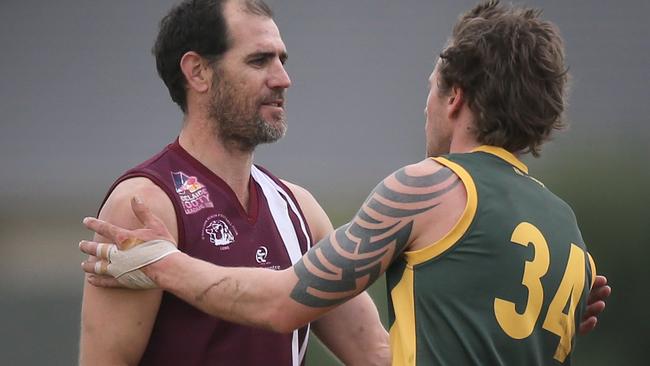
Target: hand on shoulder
(117,208)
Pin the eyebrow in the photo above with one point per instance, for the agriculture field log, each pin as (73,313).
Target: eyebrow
(267,55)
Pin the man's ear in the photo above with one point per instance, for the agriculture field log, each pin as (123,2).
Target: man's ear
(455,101)
(197,72)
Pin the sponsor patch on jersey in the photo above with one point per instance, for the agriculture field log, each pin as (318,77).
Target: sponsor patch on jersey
(260,254)
(261,257)
(194,196)
(218,229)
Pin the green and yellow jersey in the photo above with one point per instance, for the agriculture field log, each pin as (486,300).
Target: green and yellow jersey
(506,286)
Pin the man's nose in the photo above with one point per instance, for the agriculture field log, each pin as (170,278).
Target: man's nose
(279,78)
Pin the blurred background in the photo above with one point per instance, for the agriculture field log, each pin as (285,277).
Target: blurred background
(81,102)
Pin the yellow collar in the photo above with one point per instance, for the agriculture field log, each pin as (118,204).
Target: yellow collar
(503,154)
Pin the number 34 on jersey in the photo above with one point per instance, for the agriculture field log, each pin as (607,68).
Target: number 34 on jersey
(521,325)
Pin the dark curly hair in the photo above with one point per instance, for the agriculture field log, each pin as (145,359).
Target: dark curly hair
(199,26)
(510,65)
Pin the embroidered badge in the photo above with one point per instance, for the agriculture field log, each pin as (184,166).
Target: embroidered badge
(194,196)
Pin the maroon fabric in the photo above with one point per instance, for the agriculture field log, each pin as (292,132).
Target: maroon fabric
(214,227)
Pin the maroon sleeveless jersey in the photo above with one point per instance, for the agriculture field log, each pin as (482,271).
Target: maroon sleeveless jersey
(214,227)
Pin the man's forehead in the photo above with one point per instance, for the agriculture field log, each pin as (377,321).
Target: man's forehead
(434,73)
(271,46)
(250,29)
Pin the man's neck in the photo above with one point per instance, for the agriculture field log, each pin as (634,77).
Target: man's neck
(464,137)
(232,165)
(463,145)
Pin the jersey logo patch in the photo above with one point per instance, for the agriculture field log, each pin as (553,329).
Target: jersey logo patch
(219,231)
(193,194)
(262,258)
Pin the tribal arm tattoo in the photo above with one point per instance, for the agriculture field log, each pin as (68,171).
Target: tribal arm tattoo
(348,261)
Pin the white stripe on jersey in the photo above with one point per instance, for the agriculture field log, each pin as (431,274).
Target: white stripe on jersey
(277,199)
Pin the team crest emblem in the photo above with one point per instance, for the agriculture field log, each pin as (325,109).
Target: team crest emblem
(219,231)
(194,195)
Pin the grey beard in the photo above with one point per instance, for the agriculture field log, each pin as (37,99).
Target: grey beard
(237,122)
(245,136)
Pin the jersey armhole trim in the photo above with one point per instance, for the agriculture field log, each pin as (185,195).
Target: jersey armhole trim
(460,228)
(592,264)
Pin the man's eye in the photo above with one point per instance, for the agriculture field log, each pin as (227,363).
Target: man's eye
(258,61)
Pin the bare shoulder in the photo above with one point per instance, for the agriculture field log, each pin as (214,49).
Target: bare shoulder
(408,208)
(429,184)
(428,170)
(318,221)
(301,193)
(117,208)
(116,323)
(426,181)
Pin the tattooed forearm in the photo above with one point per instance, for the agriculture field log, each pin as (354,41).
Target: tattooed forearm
(355,255)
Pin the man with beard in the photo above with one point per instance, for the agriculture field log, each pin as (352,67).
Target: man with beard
(485,266)
(223,63)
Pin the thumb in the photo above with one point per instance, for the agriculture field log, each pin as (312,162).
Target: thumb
(142,212)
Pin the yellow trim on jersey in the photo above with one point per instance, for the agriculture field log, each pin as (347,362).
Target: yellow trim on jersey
(402,333)
(505,155)
(431,251)
(593,270)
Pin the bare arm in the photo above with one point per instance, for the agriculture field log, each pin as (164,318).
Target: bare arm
(395,216)
(352,331)
(116,323)
(338,268)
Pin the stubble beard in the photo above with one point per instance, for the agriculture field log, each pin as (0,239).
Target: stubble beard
(237,120)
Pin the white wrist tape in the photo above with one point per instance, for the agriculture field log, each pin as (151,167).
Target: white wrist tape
(125,264)
(136,280)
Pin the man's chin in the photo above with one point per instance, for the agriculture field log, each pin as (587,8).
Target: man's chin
(272,130)
(271,138)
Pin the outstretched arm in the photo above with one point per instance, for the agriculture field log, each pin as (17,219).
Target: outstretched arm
(337,269)
(395,216)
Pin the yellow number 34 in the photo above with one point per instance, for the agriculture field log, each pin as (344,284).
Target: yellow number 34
(520,326)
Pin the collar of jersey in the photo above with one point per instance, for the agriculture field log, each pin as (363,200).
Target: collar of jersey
(503,154)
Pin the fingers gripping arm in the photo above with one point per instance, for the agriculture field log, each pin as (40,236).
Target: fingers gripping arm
(599,293)
(125,265)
